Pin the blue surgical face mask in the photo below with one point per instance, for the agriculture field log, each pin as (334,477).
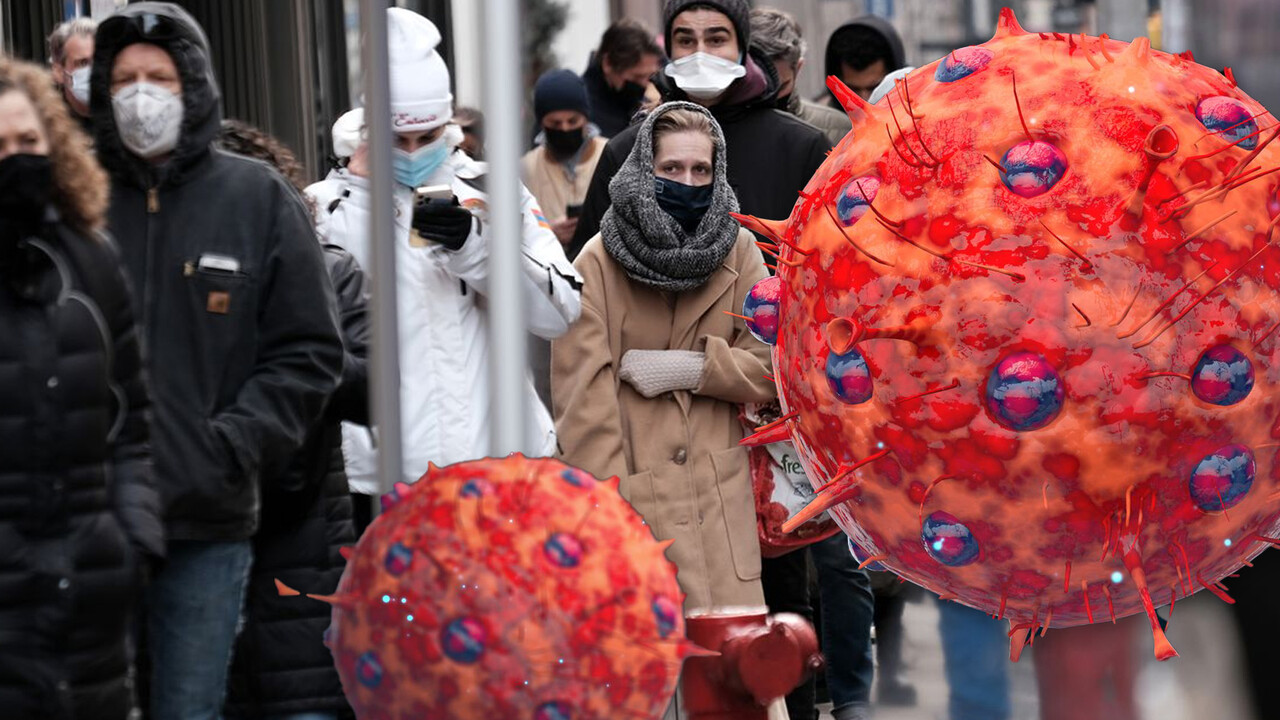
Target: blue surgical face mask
(413,169)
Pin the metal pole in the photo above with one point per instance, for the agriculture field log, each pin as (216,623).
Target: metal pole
(386,346)
(507,327)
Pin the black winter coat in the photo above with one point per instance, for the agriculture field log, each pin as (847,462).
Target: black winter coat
(79,512)
(611,110)
(281,665)
(771,156)
(233,296)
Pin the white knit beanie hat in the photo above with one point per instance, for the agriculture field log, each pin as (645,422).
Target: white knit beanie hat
(420,97)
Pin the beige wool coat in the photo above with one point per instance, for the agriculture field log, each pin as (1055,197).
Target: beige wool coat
(677,454)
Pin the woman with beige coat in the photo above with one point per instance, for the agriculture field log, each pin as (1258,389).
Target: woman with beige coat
(647,384)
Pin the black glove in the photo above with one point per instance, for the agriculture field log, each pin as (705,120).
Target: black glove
(443,222)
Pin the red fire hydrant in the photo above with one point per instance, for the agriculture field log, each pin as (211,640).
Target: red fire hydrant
(761,659)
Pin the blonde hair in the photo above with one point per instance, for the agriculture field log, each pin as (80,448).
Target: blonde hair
(681,120)
(80,186)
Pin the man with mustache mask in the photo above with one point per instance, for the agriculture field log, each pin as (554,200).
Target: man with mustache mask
(771,155)
(238,326)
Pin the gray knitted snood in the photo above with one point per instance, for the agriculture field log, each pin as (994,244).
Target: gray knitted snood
(647,242)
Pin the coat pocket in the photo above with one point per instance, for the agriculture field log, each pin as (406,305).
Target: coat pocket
(733,482)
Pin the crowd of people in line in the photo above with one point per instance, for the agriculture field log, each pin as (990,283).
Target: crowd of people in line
(187,409)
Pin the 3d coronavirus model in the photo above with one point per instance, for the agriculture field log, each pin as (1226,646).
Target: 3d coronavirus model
(514,588)
(1026,329)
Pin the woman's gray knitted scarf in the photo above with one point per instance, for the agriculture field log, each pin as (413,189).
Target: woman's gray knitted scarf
(649,244)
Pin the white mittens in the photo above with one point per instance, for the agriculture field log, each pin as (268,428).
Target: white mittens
(653,372)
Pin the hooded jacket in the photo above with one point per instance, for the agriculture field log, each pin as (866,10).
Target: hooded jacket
(884,28)
(443,314)
(771,154)
(232,292)
(79,513)
(611,110)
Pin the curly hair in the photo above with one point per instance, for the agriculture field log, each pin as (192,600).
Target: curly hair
(81,190)
(244,139)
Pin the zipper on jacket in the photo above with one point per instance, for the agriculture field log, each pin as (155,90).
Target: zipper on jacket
(149,281)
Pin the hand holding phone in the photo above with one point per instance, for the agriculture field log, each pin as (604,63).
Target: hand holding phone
(439,218)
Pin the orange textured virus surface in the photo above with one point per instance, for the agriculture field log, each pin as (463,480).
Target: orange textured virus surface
(514,588)
(1027,328)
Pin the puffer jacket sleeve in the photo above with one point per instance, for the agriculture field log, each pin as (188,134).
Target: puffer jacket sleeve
(350,401)
(134,496)
(551,287)
(299,353)
(735,366)
(584,388)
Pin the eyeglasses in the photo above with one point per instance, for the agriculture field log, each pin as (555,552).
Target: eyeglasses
(144,27)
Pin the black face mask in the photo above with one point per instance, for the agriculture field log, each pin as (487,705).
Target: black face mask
(564,143)
(631,93)
(685,203)
(26,185)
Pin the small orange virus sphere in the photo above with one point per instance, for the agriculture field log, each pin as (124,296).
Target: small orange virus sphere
(1026,321)
(517,588)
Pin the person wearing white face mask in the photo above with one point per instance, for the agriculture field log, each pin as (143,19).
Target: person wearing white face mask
(771,155)
(70,58)
(238,321)
(442,247)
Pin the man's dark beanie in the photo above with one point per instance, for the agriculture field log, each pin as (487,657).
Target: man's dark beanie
(560,90)
(738,12)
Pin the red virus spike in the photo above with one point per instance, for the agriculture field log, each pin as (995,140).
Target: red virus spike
(284,590)
(1102,46)
(854,106)
(1066,578)
(1160,145)
(1008,25)
(1018,640)
(1106,590)
(346,602)
(346,551)
(1063,243)
(849,238)
(1216,590)
(780,421)
(780,433)
(1137,53)
(1230,76)
(955,383)
(1203,229)
(872,559)
(1084,590)
(1186,55)
(1133,563)
(844,333)
(775,230)
(840,489)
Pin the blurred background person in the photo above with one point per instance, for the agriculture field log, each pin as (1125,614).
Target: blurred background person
(282,669)
(70,59)
(442,242)
(648,382)
(559,169)
(1088,671)
(778,36)
(770,155)
(975,653)
(471,121)
(239,327)
(81,515)
(618,74)
(861,52)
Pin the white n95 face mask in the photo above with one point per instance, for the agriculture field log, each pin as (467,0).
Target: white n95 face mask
(704,77)
(80,85)
(148,118)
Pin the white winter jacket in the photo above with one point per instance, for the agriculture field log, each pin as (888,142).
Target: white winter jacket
(444,333)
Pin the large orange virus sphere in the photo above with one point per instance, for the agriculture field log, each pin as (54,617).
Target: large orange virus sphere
(514,588)
(1026,322)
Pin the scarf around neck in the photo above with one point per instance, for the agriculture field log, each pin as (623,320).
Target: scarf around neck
(649,244)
